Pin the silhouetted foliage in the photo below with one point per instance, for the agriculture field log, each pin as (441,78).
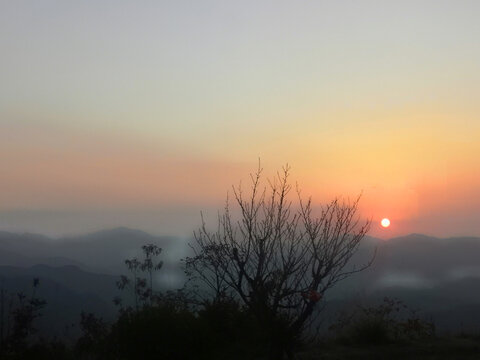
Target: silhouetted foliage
(161,332)
(171,325)
(235,333)
(18,313)
(92,343)
(141,288)
(389,321)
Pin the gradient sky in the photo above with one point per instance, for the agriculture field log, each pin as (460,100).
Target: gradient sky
(142,113)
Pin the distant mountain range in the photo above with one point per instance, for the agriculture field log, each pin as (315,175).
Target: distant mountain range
(417,261)
(441,277)
(102,251)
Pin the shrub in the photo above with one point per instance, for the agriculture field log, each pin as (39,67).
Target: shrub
(389,321)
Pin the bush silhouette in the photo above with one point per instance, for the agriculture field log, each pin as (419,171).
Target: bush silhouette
(18,326)
(160,332)
(386,322)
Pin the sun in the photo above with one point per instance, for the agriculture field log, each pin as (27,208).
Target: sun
(385,222)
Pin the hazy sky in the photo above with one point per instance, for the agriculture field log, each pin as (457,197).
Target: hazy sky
(142,113)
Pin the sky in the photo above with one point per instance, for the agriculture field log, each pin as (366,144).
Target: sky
(144,113)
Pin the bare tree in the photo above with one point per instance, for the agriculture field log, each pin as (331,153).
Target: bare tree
(276,258)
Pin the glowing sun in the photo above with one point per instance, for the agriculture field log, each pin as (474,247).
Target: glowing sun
(385,222)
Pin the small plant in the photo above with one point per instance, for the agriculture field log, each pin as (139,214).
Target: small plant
(18,324)
(140,281)
(389,321)
(94,334)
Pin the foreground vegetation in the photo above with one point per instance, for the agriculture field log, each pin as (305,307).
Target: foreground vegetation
(223,331)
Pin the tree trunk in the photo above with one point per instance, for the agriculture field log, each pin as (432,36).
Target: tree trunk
(281,344)
(276,351)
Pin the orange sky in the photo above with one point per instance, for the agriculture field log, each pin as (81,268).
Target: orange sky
(432,188)
(120,115)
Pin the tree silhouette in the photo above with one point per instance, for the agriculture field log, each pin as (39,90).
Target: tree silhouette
(277,259)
